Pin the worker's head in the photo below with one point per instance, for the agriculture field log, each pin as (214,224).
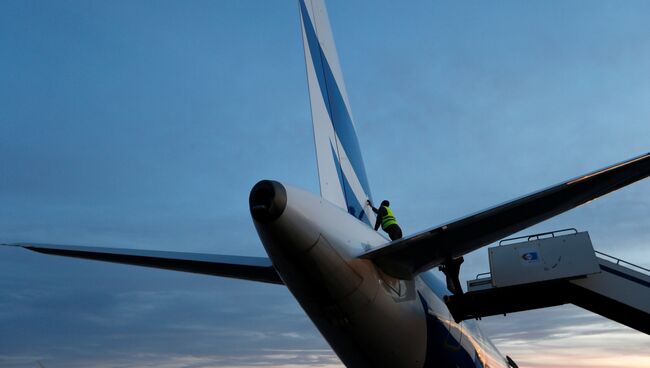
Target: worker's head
(385,203)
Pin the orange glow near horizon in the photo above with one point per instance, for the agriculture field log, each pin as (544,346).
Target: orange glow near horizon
(602,345)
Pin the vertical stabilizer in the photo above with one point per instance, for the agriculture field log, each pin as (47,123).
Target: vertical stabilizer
(341,171)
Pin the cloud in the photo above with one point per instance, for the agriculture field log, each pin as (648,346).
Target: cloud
(264,358)
(114,314)
(566,336)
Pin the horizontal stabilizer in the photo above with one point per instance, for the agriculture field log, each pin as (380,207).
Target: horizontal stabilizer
(409,256)
(247,268)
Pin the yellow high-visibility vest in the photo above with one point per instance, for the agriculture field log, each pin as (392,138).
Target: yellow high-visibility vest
(389,219)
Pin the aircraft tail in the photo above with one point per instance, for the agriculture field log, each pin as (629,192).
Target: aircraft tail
(341,171)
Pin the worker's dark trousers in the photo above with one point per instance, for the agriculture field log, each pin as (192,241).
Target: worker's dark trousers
(394,231)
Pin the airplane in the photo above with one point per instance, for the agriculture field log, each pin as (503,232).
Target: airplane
(375,301)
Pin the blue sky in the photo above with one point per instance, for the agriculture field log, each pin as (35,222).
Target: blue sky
(145,124)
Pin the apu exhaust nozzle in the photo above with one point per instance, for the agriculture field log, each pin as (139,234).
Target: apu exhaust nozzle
(267,201)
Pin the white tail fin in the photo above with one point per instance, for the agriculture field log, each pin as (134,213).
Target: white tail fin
(341,171)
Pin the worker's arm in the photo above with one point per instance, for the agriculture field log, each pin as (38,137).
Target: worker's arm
(380,214)
(373,208)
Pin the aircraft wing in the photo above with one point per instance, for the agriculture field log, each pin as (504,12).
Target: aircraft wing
(247,268)
(409,256)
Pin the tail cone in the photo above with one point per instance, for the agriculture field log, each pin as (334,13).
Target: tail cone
(267,201)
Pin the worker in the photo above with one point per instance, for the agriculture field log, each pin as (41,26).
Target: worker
(386,219)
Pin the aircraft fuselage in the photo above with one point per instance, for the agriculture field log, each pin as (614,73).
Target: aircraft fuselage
(369,318)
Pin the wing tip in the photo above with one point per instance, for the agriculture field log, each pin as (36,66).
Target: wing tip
(18,245)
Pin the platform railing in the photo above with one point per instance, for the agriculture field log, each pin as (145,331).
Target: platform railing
(548,234)
(623,262)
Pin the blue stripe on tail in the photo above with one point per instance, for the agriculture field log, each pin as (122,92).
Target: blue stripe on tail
(354,207)
(336,108)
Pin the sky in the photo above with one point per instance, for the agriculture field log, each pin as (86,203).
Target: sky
(144,124)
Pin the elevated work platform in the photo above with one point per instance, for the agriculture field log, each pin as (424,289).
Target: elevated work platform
(551,269)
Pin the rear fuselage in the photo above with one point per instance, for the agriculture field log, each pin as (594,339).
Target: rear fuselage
(369,318)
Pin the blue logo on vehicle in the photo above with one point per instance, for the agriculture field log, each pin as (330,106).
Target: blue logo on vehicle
(530,256)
